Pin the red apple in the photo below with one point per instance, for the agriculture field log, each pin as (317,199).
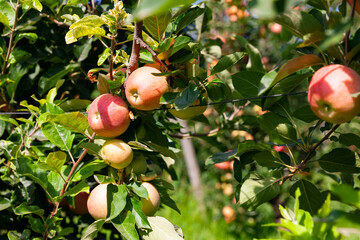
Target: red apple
(97,202)
(117,153)
(330,92)
(280,149)
(143,90)
(108,115)
(150,205)
(80,202)
(223,165)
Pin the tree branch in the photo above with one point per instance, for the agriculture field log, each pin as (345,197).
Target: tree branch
(135,53)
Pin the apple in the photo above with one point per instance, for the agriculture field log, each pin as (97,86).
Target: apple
(116,153)
(280,149)
(108,115)
(189,112)
(80,201)
(330,92)
(223,165)
(150,205)
(143,90)
(275,28)
(229,214)
(138,165)
(357,7)
(233,18)
(97,202)
(233,10)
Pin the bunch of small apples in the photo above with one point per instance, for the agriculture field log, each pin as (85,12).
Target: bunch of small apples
(109,117)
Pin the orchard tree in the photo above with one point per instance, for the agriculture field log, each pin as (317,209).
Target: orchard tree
(94,96)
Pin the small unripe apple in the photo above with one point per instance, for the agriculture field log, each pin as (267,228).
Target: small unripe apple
(138,165)
(330,93)
(108,115)
(97,202)
(150,205)
(80,204)
(143,90)
(116,153)
(189,112)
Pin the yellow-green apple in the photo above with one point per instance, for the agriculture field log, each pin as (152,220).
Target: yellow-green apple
(229,214)
(97,202)
(143,89)
(150,205)
(330,93)
(80,204)
(357,7)
(116,153)
(189,112)
(138,165)
(108,115)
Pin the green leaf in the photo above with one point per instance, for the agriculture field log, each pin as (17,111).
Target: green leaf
(125,224)
(103,56)
(347,194)
(180,43)
(350,139)
(311,199)
(116,199)
(227,61)
(139,189)
(140,218)
(27,168)
(157,24)
(7,11)
(92,21)
(302,25)
(149,7)
(24,209)
(165,198)
(32,37)
(78,188)
(255,192)
(15,75)
(161,229)
(75,121)
(334,36)
(92,148)
(8,119)
(54,161)
(263,8)
(58,135)
(305,114)
(73,34)
(188,18)
(75,104)
(285,86)
(221,157)
(92,230)
(53,75)
(162,150)
(266,82)
(88,170)
(255,63)
(4,20)
(76,2)
(187,97)
(339,160)
(246,83)
(32,4)
(4,203)
(267,159)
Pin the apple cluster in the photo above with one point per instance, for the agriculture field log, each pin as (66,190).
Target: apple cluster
(334,93)
(109,117)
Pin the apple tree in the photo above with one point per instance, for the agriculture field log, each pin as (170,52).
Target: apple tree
(94,97)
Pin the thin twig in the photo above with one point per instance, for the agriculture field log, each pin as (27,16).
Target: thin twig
(12,36)
(144,45)
(306,159)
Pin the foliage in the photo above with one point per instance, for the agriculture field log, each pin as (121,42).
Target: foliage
(255,82)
